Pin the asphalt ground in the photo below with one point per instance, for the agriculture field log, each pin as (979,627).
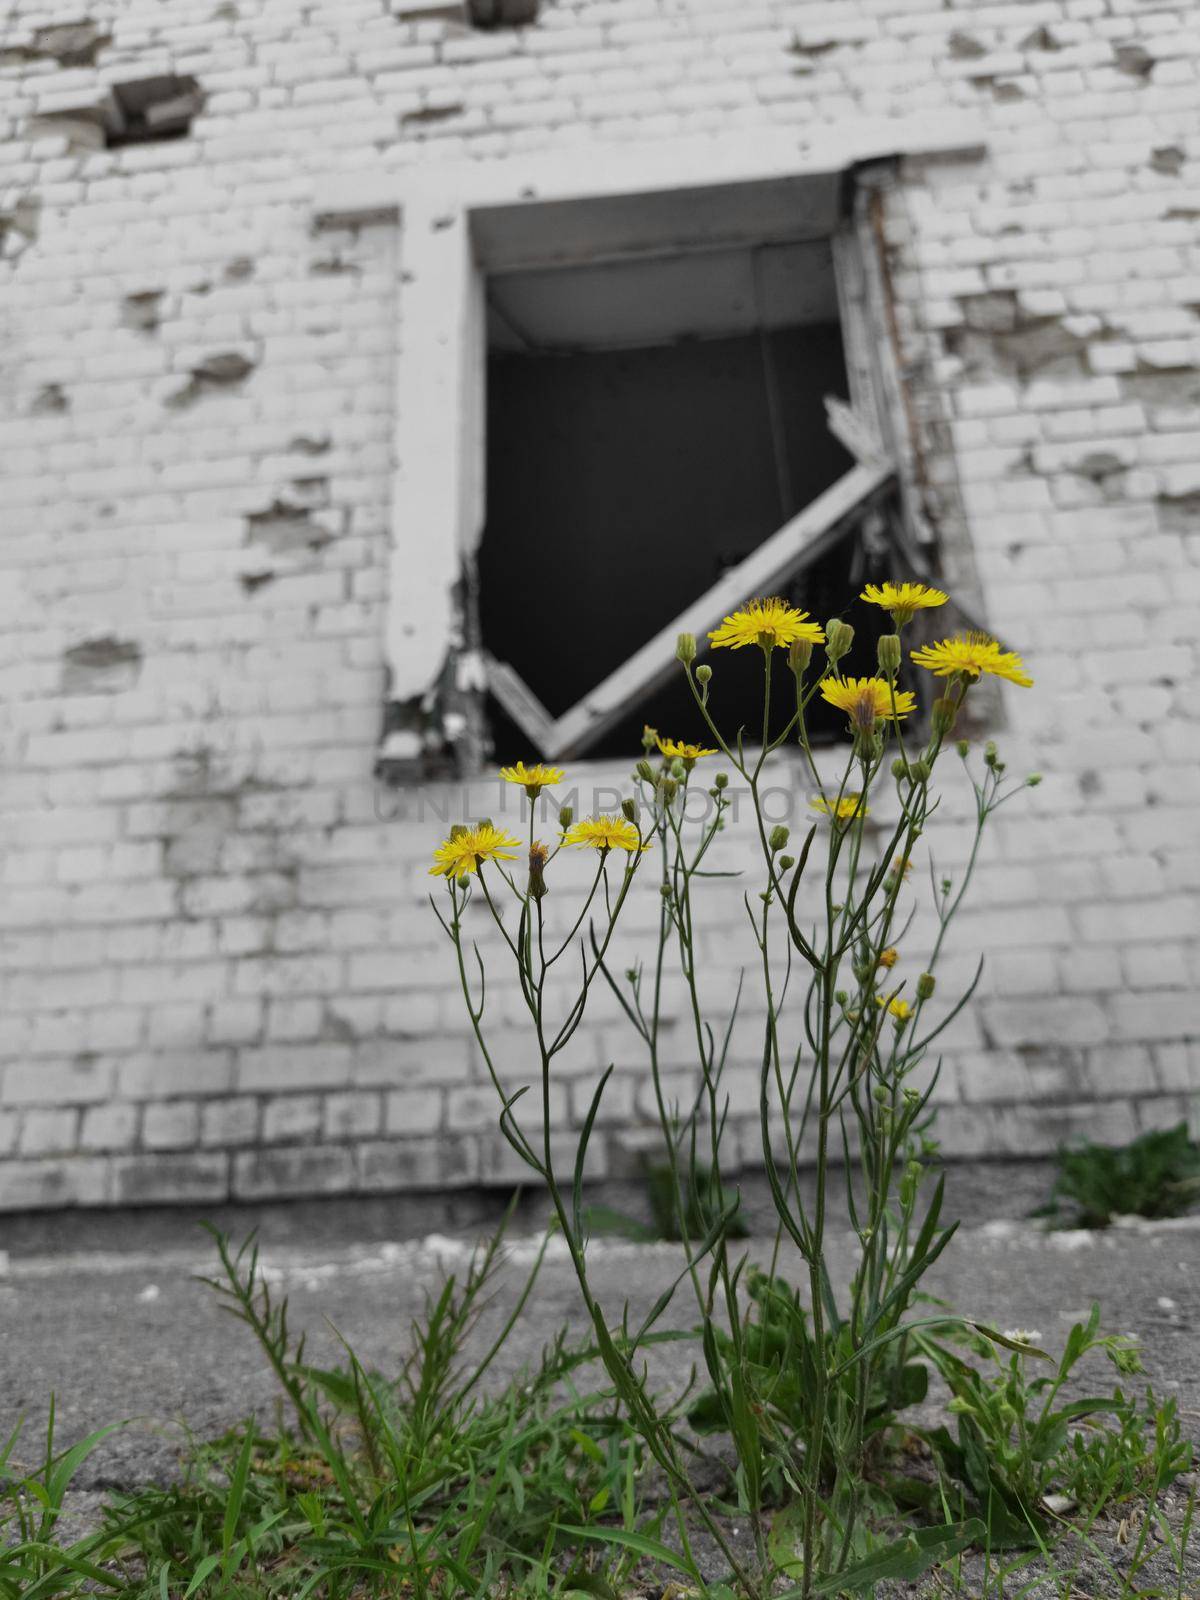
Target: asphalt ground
(106,1312)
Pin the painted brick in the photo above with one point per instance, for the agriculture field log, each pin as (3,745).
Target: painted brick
(219,930)
(286,1172)
(174,1125)
(153,1179)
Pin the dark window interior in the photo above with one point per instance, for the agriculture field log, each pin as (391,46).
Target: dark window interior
(155,109)
(622,483)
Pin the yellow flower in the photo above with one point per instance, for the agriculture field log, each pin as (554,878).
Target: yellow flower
(467,849)
(903,599)
(865,700)
(605,833)
(842,810)
(900,1009)
(901,866)
(888,957)
(972,653)
(689,754)
(532,779)
(771,623)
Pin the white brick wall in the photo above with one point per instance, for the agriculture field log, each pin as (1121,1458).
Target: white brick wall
(219,978)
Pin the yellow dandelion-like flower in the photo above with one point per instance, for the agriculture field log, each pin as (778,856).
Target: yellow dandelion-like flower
(889,957)
(842,810)
(532,779)
(903,599)
(677,749)
(771,623)
(605,833)
(866,700)
(901,866)
(467,849)
(972,654)
(900,1009)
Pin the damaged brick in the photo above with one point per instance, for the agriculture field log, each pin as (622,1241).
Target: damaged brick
(104,665)
(142,311)
(431,114)
(286,529)
(49,399)
(965,47)
(1133,60)
(502,13)
(305,444)
(333,266)
(218,372)
(1099,465)
(1167,159)
(240,268)
(1040,39)
(20,220)
(1173,388)
(811,47)
(71,44)
(1000,336)
(154,108)
(1179,513)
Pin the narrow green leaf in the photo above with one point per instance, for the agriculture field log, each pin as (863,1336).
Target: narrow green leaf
(637,1542)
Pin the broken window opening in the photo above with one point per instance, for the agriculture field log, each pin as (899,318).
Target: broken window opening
(653,424)
(150,109)
(502,13)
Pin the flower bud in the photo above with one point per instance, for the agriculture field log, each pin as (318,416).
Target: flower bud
(990,752)
(898,767)
(629,809)
(779,838)
(649,738)
(484,822)
(679,770)
(685,648)
(1032,781)
(704,674)
(786,863)
(840,996)
(963,748)
(944,713)
(911,1176)
(457,831)
(839,636)
(566,816)
(926,984)
(664,889)
(537,864)
(721,781)
(669,788)
(645,771)
(889,957)
(799,656)
(888,652)
(920,771)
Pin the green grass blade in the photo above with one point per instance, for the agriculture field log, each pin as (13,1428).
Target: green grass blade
(638,1543)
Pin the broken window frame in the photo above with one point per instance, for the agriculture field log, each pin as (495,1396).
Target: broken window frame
(461,224)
